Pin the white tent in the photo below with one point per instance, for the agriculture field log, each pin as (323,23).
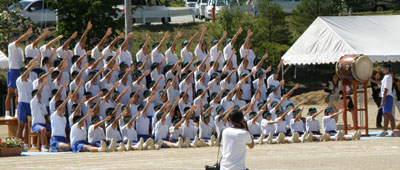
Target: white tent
(329,38)
(3,60)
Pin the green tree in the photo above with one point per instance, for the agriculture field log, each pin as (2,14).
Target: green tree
(309,10)
(75,14)
(11,22)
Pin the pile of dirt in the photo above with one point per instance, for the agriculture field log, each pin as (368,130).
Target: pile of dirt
(313,98)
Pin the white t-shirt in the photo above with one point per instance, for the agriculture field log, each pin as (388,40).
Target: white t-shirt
(96,54)
(160,130)
(15,56)
(156,56)
(201,55)
(272,82)
(329,123)
(267,128)
(129,133)
(125,56)
(32,52)
(113,133)
(58,124)
(234,143)
(205,130)
(25,89)
(188,131)
(171,57)
(38,111)
(312,124)
(77,133)
(387,83)
(142,125)
(95,135)
(174,133)
(140,56)
(250,57)
(280,127)
(254,128)
(228,53)
(214,54)
(296,126)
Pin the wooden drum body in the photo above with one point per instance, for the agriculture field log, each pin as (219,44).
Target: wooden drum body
(354,67)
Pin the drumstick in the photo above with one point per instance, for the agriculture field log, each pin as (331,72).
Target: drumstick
(379,108)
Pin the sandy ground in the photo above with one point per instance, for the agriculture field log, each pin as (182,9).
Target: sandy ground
(364,154)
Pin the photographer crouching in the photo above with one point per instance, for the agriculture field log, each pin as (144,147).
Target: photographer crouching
(234,141)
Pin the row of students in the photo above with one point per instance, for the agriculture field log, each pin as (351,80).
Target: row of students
(166,101)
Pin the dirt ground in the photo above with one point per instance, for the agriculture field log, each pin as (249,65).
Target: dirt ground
(364,154)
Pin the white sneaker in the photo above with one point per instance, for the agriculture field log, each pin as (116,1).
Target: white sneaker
(180,142)
(159,144)
(325,137)
(355,135)
(304,137)
(203,143)
(196,142)
(121,147)
(383,134)
(129,145)
(270,138)
(8,117)
(103,147)
(149,144)
(281,138)
(113,146)
(212,140)
(295,137)
(187,142)
(261,139)
(140,144)
(310,137)
(359,135)
(44,149)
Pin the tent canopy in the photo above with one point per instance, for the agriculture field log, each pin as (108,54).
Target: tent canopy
(329,38)
(3,60)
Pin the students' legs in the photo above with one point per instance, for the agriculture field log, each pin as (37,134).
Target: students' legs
(63,147)
(377,101)
(10,93)
(89,148)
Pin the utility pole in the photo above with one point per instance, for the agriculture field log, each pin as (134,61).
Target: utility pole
(128,21)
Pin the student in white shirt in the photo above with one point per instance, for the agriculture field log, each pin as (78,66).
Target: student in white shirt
(58,140)
(96,51)
(25,88)
(170,53)
(39,115)
(156,55)
(234,141)
(273,78)
(78,136)
(201,48)
(186,55)
(189,130)
(142,124)
(31,50)
(228,49)
(108,51)
(142,55)
(16,57)
(47,49)
(312,124)
(215,53)
(246,52)
(387,99)
(79,48)
(125,56)
(96,132)
(113,134)
(206,127)
(329,126)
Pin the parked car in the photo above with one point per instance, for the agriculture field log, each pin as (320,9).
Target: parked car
(201,8)
(36,10)
(220,4)
(190,3)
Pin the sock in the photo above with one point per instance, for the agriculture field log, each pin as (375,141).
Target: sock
(7,113)
(33,146)
(26,145)
(43,146)
(99,149)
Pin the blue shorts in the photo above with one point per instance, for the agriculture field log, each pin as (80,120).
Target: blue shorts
(24,110)
(12,75)
(78,145)
(145,137)
(388,105)
(36,127)
(331,133)
(56,140)
(97,143)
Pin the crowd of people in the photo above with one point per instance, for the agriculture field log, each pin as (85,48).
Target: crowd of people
(103,100)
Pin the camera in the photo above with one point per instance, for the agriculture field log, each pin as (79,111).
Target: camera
(212,167)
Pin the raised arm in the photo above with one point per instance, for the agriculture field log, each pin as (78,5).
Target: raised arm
(66,43)
(40,38)
(124,46)
(52,42)
(236,36)
(166,35)
(82,41)
(173,46)
(191,40)
(23,37)
(222,39)
(103,40)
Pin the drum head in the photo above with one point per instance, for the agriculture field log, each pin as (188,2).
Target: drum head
(363,68)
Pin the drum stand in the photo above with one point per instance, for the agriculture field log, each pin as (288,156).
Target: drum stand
(358,107)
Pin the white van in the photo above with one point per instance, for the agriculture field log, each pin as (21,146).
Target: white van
(36,10)
(201,8)
(190,3)
(219,5)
